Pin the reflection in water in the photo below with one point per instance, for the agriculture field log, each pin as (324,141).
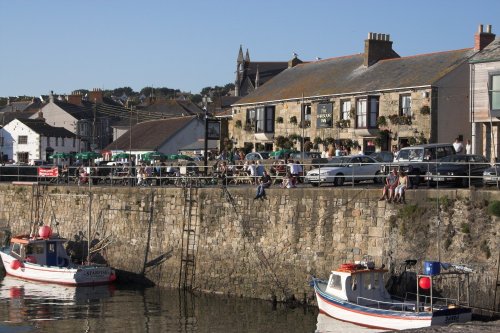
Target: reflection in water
(328,324)
(33,307)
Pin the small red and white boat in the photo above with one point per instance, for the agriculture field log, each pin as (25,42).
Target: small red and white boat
(356,293)
(43,258)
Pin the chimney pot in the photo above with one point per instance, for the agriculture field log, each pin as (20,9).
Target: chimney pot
(388,37)
(480,29)
(488,28)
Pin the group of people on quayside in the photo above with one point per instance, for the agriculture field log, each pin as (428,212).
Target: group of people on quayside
(395,187)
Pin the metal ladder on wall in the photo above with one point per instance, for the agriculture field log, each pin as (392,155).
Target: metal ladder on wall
(189,240)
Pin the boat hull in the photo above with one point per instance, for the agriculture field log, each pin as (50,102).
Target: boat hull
(73,276)
(385,319)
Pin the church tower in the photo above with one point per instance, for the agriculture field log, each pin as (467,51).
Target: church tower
(240,64)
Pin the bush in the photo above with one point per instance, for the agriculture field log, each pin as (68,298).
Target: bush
(494,208)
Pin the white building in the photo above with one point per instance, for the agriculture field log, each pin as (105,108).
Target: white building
(27,140)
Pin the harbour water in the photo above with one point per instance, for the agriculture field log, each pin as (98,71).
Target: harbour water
(35,307)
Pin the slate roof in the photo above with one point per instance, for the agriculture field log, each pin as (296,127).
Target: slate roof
(173,107)
(150,135)
(344,75)
(41,127)
(86,109)
(267,70)
(489,53)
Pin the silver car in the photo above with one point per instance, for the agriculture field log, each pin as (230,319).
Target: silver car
(346,168)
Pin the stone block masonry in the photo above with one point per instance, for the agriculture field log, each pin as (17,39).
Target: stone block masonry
(269,249)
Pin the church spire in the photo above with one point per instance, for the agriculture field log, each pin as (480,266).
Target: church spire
(240,55)
(247,57)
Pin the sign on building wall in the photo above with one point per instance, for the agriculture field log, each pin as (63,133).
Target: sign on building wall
(213,129)
(325,115)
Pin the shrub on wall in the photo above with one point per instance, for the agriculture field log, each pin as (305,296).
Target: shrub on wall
(494,208)
(279,120)
(425,110)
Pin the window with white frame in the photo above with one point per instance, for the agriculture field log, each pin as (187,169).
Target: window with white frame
(361,113)
(405,105)
(264,119)
(495,92)
(22,139)
(306,116)
(367,112)
(346,110)
(250,119)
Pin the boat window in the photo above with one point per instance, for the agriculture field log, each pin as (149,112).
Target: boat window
(37,248)
(16,248)
(354,284)
(376,281)
(29,249)
(336,282)
(367,282)
(52,248)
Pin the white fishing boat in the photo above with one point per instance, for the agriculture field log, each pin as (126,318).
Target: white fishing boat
(43,258)
(356,293)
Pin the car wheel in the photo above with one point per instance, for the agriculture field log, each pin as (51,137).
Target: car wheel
(379,178)
(339,180)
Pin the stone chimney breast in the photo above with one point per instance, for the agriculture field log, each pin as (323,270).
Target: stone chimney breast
(378,46)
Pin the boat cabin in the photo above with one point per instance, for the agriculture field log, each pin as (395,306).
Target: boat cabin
(358,284)
(40,251)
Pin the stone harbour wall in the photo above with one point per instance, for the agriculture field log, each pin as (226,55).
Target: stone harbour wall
(268,248)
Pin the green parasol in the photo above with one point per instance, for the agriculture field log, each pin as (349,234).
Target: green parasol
(88,155)
(121,155)
(60,155)
(154,156)
(180,157)
(282,152)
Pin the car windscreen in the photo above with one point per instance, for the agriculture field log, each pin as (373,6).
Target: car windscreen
(410,154)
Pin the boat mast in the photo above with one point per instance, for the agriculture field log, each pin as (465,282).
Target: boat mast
(88,228)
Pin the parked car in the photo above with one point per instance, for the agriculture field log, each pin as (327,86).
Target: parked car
(458,170)
(261,155)
(383,156)
(415,160)
(491,176)
(346,168)
(305,155)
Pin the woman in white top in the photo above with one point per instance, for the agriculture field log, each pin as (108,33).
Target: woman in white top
(401,188)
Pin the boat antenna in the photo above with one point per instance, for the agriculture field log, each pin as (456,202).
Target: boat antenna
(88,228)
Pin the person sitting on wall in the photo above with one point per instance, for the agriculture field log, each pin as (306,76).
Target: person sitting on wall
(401,188)
(265,182)
(391,182)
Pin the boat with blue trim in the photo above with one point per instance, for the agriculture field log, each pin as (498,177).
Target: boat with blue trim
(43,258)
(356,293)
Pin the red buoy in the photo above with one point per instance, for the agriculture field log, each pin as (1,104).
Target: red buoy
(15,264)
(45,231)
(424,282)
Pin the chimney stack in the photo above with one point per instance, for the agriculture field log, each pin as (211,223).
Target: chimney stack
(95,96)
(294,61)
(378,47)
(483,38)
(51,97)
(75,98)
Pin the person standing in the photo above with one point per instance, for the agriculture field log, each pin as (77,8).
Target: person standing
(459,146)
(468,148)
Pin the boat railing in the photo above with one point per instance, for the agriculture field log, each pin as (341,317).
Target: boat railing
(398,306)
(435,300)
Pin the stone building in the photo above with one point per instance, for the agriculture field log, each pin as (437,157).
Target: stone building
(485,94)
(369,101)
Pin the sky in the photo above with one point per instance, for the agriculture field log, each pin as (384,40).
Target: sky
(62,46)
